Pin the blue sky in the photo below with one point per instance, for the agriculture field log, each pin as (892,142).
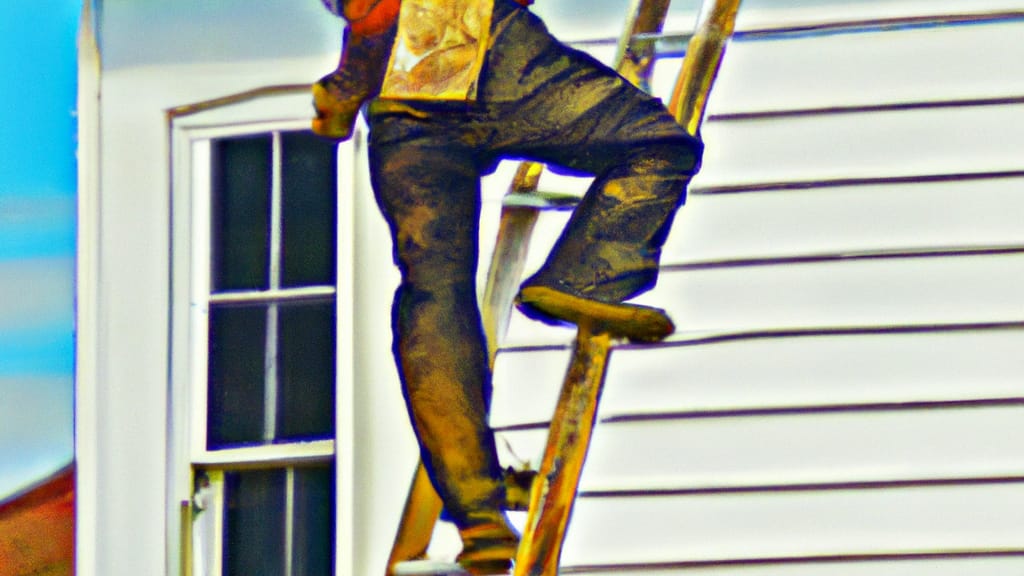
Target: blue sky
(37,238)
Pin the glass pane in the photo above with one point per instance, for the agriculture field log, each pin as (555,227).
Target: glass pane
(240,212)
(309,188)
(306,372)
(313,547)
(235,392)
(254,523)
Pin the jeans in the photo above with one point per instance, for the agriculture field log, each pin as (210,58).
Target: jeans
(539,100)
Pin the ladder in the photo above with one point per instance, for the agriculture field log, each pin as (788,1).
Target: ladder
(554,491)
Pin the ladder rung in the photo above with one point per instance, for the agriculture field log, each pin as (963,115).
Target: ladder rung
(541,200)
(665,43)
(428,568)
(636,39)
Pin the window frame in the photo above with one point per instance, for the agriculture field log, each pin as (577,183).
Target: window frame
(192,129)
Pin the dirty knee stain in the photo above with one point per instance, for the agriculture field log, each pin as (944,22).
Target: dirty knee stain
(412,228)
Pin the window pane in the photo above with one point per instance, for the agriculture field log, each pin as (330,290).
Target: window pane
(309,189)
(306,372)
(235,391)
(314,528)
(254,523)
(240,212)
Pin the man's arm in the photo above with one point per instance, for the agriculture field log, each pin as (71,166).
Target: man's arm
(369,36)
(367,42)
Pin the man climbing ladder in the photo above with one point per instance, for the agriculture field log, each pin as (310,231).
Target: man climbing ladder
(489,82)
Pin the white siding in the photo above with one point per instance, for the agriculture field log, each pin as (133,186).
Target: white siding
(916,65)
(709,451)
(845,393)
(775,373)
(953,140)
(793,524)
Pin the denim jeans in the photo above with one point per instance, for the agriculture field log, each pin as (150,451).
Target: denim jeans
(539,100)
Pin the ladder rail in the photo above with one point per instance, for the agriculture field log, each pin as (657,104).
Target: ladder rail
(704,55)
(554,491)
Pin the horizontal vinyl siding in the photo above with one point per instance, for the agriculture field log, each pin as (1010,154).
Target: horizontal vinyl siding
(822,220)
(711,454)
(774,373)
(869,145)
(995,563)
(935,64)
(860,292)
(845,394)
(851,218)
(694,528)
(909,291)
(772,14)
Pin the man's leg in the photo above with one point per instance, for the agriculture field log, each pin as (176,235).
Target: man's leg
(611,247)
(430,197)
(558,105)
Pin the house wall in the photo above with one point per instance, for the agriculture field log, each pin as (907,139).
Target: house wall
(157,55)
(844,393)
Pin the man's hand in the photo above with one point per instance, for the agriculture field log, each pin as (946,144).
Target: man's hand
(335,117)
(338,96)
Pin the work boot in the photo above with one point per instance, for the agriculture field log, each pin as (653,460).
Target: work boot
(631,321)
(488,547)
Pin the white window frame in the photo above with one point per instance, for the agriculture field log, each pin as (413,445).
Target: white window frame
(192,129)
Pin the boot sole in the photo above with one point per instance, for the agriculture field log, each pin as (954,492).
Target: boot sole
(630,321)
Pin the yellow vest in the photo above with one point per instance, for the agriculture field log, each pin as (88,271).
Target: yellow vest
(439,50)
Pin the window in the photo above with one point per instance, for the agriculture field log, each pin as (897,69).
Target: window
(257,416)
(270,362)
